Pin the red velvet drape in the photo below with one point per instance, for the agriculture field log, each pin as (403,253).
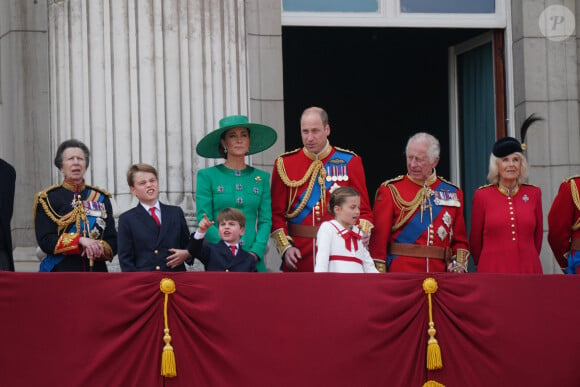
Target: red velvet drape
(273,329)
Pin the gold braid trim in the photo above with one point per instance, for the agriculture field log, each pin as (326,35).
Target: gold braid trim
(108,251)
(407,208)
(571,178)
(37,200)
(63,221)
(365,225)
(315,168)
(576,199)
(283,242)
(100,190)
(345,150)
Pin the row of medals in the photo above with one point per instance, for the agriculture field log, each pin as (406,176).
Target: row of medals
(337,173)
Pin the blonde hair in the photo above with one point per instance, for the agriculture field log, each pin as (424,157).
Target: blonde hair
(493,174)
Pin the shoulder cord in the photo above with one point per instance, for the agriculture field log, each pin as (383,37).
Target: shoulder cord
(75,216)
(407,208)
(315,168)
(576,199)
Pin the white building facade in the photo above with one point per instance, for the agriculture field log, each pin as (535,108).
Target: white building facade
(144,81)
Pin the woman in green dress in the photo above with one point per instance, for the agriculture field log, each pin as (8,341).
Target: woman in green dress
(236,184)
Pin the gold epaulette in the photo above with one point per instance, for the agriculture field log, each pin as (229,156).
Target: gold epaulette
(45,191)
(394,179)
(485,186)
(567,180)
(448,182)
(41,194)
(346,150)
(290,152)
(101,190)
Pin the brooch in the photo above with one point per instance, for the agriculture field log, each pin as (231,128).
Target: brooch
(442,232)
(447,219)
(525,198)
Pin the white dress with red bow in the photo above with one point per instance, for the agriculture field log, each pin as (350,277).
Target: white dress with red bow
(340,250)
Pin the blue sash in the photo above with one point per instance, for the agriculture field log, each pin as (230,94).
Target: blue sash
(315,195)
(51,260)
(414,227)
(573,262)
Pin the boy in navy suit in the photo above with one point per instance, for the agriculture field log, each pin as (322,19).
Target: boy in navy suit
(152,235)
(226,255)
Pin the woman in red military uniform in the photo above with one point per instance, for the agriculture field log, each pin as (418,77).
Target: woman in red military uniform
(506,220)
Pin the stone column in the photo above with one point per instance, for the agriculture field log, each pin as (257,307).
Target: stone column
(546,83)
(144,81)
(264,28)
(24,113)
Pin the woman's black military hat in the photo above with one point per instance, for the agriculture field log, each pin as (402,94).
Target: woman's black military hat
(508,145)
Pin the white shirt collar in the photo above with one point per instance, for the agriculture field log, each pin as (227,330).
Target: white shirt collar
(147,208)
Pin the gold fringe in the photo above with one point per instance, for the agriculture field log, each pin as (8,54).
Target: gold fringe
(168,367)
(434,361)
(432,383)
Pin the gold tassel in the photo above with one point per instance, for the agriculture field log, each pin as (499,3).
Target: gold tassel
(434,361)
(432,383)
(168,368)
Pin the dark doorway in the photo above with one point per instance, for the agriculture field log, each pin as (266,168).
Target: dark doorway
(379,86)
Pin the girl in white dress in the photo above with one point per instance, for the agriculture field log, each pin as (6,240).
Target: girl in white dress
(340,248)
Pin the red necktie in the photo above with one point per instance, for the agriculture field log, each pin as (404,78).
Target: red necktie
(351,236)
(154,215)
(233,248)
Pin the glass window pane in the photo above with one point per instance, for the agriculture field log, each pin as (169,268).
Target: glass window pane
(448,6)
(330,5)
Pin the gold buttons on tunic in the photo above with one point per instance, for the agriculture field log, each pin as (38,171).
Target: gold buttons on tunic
(155,252)
(317,212)
(157,268)
(512,218)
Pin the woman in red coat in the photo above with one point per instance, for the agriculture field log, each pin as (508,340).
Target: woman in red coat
(506,220)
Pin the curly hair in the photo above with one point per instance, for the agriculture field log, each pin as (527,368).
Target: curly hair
(72,143)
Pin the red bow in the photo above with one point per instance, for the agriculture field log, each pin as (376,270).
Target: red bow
(349,236)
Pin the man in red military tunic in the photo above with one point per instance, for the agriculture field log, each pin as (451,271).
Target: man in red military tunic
(564,225)
(419,224)
(302,181)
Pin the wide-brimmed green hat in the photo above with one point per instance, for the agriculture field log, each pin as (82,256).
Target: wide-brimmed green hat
(261,137)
